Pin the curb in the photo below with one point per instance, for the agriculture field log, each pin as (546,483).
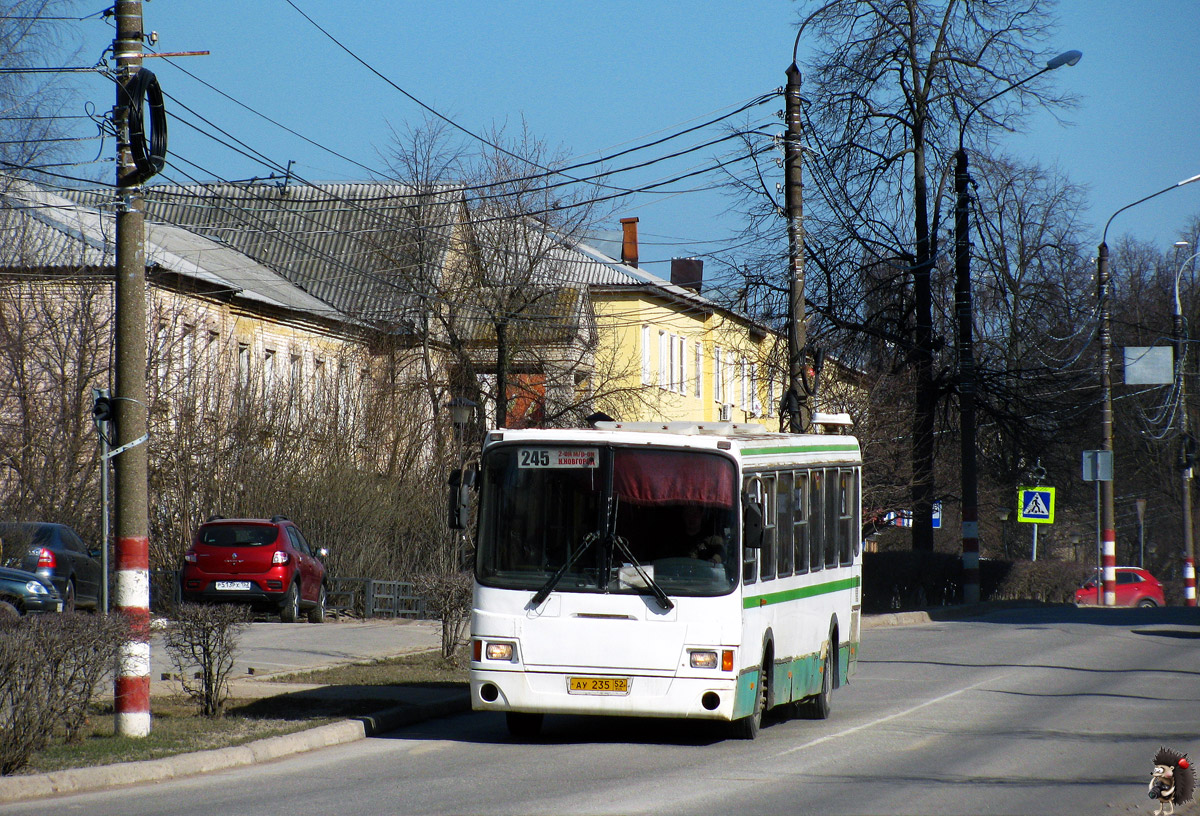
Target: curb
(105,777)
(895,619)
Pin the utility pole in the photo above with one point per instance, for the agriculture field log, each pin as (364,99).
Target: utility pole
(966,380)
(132,562)
(1186,452)
(1108,524)
(796,401)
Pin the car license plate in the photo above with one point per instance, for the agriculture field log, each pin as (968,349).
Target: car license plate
(598,685)
(233,585)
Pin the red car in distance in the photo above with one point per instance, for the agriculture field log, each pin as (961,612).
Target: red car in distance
(1135,587)
(264,563)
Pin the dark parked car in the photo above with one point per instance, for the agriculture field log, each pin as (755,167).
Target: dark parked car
(54,552)
(264,563)
(1135,587)
(24,592)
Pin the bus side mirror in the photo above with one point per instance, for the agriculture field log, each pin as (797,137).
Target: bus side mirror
(752,523)
(459,506)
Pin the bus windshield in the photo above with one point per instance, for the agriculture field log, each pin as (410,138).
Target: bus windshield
(619,519)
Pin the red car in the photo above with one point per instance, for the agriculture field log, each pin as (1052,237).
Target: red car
(1135,587)
(264,563)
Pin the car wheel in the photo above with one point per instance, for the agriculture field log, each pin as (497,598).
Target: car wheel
(289,608)
(317,613)
(69,597)
(1147,603)
(8,613)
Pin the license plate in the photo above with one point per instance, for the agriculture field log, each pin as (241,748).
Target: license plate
(232,585)
(598,685)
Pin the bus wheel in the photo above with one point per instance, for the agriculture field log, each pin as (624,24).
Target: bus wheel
(747,728)
(817,707)
(522,725)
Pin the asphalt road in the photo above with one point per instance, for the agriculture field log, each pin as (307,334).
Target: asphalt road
(1018,712)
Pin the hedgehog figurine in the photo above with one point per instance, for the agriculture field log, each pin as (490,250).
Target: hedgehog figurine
(1172,782)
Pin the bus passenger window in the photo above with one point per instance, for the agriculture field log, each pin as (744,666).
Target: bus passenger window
(766,559)
(753,489)
(831,518)
(846,515)
(800,521)
(816,512)
(783,527)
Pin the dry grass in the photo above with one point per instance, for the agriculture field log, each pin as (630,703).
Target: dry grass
(178,728)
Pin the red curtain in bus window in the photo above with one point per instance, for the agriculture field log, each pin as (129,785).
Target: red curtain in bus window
(526,400)
(671,477)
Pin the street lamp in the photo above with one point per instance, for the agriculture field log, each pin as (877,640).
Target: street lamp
(1108,531)
(462,411)
(966,355)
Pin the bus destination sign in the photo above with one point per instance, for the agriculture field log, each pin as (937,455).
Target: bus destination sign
(557,458)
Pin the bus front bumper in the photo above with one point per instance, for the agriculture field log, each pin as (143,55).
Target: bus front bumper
(631,695)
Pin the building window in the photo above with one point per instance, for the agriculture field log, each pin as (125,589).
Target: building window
(244,365)
(755,405)
(682,356)
(320,383)
(718,380)
(698,367)
(663,351)
(647,374)
(295,372)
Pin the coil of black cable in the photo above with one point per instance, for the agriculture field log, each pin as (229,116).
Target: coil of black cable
(149,155)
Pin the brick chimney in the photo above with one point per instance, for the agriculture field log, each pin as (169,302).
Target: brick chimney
(687,272)
(629,246)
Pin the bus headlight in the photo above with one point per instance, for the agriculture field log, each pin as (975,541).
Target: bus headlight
(500,651)
(704,660)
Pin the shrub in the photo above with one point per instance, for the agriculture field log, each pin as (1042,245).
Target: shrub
(448,595)
(202,642)
(50,669)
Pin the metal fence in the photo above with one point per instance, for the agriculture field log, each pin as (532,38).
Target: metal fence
(369,598)
(358,597)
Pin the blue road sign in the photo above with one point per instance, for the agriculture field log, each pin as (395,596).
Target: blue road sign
(1036,505)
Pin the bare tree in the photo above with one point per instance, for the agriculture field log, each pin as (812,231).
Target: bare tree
(888,85)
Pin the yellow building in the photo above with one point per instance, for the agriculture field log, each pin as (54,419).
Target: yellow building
(688,357)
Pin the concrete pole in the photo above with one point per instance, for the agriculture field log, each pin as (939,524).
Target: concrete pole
(1108,525)
(132,567)
(1185,459)
(799,411)
(966,380)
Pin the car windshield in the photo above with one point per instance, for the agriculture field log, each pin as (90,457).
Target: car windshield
(610,519)
(237,535)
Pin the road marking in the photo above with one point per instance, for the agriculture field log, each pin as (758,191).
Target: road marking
(889,717)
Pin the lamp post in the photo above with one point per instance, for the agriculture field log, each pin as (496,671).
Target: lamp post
(969,471)
(462,411)
(1186,452)
(1108,532)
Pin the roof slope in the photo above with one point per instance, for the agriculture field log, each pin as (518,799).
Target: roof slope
(44,230)
(367,249)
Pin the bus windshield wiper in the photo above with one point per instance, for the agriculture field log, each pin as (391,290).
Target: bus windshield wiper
(663,601)
(549,586)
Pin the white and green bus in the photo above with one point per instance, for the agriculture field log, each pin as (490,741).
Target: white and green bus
(665,570)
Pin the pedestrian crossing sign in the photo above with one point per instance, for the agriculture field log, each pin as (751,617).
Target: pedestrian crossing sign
(1036,505)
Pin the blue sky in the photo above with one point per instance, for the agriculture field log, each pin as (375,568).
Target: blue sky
(592,77)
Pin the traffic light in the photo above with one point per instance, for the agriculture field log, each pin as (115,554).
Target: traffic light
(102,410)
